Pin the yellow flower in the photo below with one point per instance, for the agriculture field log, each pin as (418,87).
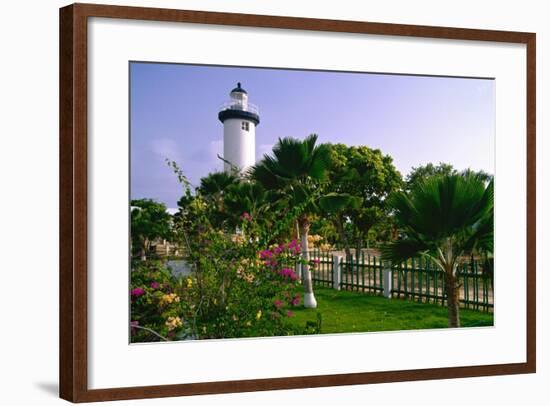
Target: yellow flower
(173,323)
(239,239)
(259,315)
(169,298)
(189,283)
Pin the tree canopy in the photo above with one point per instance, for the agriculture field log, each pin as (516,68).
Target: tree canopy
(420,173)
(149,221)
(368,176)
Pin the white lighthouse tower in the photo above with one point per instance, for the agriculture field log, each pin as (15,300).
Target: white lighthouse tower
(239,118)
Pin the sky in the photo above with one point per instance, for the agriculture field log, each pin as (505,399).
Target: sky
(415,119)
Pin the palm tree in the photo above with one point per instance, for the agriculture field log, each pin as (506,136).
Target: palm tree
(213,188)
(247,197)
(444,218)
(215,183)
(296,171)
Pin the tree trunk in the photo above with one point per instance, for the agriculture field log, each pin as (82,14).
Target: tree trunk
(297,236)
(451,288)
(358,245)
(309,297)
(343,236)
(143,250)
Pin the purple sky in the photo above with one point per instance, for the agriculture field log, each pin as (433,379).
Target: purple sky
(415,119)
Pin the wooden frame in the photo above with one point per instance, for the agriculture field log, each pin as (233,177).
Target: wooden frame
(73,201)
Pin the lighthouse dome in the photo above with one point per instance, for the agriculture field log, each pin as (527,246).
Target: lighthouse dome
(238,89)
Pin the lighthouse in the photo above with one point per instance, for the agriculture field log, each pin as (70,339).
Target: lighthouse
(239,118)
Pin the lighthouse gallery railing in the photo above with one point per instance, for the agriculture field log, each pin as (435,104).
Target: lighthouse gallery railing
(232,105)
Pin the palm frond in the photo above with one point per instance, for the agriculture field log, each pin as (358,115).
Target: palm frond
(216,182)
(447,209)
(401,250)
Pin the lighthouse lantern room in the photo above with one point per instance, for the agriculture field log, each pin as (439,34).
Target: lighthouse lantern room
(239,118)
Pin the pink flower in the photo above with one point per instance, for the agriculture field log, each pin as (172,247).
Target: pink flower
(278,304)
(288,273)
(246,217)
(295,301)
(155,285)
(294,247)
(289,313)
(137,292)
(271,263)
(278,249)
(266,254)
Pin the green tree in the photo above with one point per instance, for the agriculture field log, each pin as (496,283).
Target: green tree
(149,221)
(444,218)
(336,205)
(246,201)
(296,172)
(213,188)
(420,173)
(366,174)
(215,183)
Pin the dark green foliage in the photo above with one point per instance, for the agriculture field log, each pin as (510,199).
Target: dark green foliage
(149,221)
(294,176)
(419,174)
(367,175)
(216,183)
(455,209)
(293,162)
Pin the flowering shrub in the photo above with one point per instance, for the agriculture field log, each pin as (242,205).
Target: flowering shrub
(243,292)
(235,291)
(237,288)
(159,303)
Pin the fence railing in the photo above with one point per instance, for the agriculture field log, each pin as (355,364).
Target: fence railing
(362,273)
(323,273)
(417,279)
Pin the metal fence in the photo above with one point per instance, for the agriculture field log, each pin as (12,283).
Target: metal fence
(322,274)
(417,279)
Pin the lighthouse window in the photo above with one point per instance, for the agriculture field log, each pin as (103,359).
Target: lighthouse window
(245,125)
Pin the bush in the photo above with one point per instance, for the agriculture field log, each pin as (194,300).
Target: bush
(241,292)
(159,303)
(235,291)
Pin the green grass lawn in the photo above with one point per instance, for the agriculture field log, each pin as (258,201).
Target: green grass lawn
(345,312)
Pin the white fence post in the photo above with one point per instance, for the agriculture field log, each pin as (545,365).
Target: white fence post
(336,273)
(388,276)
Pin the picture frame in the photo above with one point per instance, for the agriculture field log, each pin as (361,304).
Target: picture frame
(74,201)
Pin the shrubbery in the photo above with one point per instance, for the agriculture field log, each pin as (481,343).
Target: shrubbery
(160,303)
(234,291)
